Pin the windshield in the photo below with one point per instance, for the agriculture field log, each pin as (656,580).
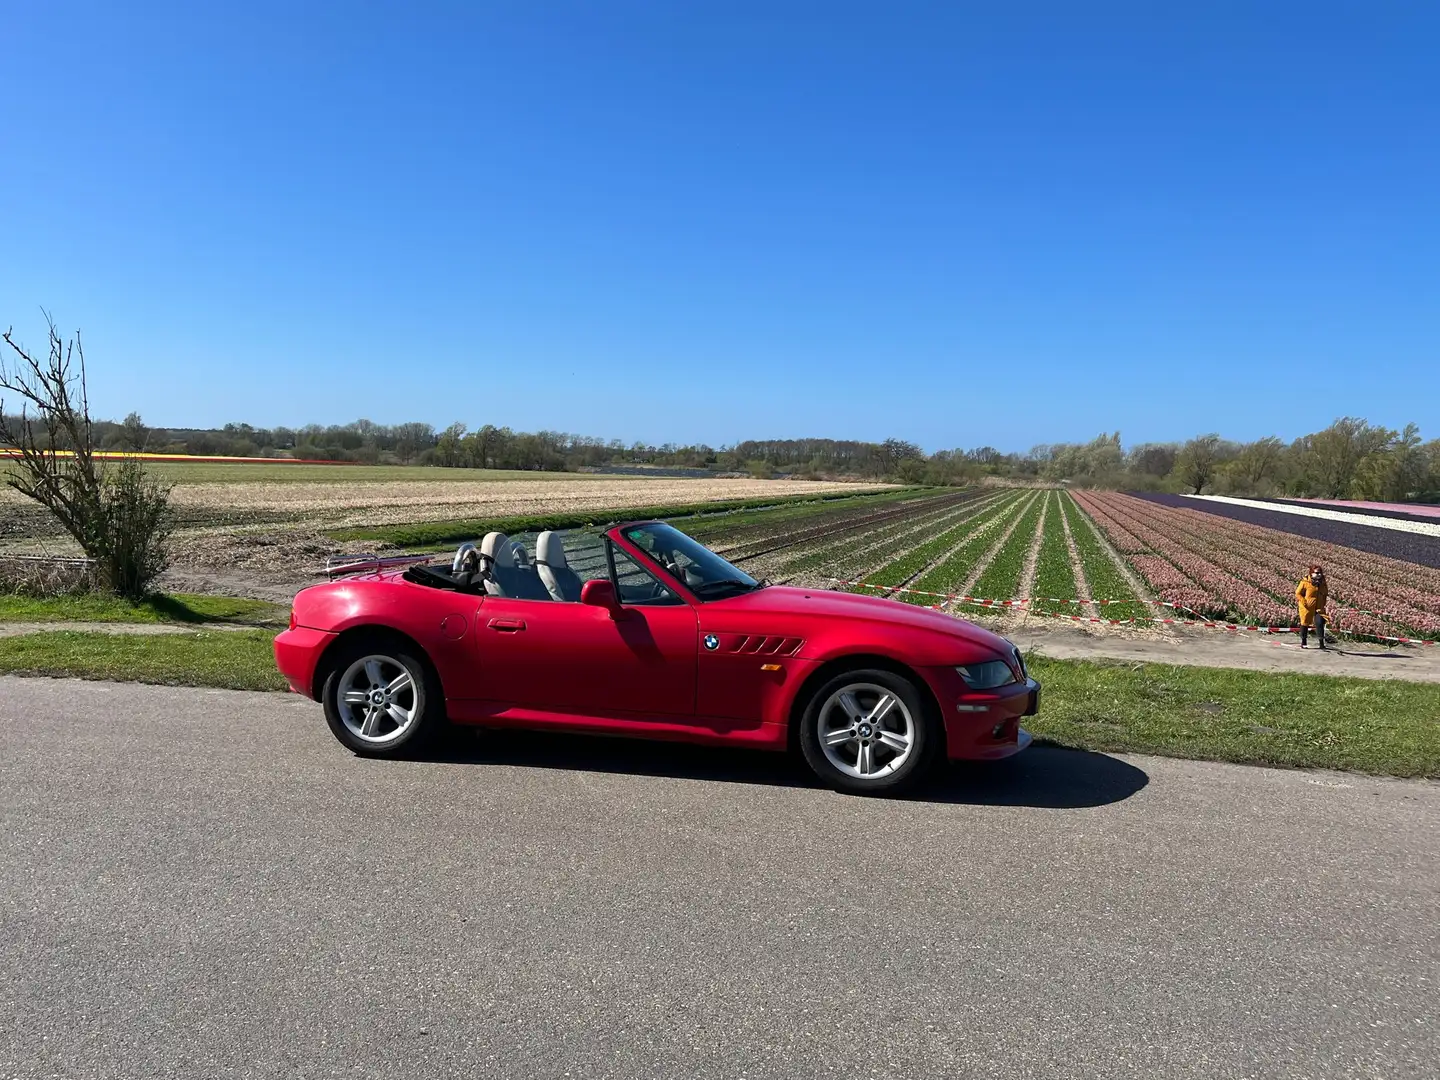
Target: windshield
(708,575)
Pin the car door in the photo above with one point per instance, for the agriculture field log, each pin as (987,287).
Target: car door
(565,657)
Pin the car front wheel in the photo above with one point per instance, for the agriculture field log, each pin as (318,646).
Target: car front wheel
(869,732)
(379,699)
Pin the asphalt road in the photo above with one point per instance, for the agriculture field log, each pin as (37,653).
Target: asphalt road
(202,883)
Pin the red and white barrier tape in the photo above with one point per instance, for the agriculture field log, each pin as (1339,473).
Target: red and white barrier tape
(1199,620)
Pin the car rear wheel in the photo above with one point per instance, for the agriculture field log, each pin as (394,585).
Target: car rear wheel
(869,731)
(379,699)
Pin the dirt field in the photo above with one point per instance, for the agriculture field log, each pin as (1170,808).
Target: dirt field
(271,520)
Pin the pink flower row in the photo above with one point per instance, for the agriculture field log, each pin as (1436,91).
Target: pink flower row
(1263,562)
(1269,561)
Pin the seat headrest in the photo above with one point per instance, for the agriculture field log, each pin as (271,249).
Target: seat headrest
(496,548)
(550,550)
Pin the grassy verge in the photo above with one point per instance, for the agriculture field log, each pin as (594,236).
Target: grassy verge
(176,608)
(446,532)
(234,660)
(1250,717)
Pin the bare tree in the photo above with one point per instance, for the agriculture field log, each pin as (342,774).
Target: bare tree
(1197,461)
(119,518)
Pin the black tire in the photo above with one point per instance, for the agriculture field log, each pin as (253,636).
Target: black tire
(388,737)
(867,684)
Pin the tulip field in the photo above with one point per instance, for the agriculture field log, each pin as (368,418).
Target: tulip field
(984,552)
(1092,555)
(1220,567)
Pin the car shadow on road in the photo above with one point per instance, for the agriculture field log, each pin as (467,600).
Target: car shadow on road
(1044,776)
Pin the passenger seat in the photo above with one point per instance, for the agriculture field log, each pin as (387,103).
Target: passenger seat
(561,582)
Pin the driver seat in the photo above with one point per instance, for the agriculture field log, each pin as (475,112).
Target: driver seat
(560,581)
(495,553)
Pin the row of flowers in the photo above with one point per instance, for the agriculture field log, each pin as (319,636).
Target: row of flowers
(1269,561)
(1251,570)
(1405,583)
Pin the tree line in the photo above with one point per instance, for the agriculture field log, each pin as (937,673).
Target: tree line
(1351,458)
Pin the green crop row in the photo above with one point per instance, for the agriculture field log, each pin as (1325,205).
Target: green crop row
(957,567)
(727,528)
(979,529)
(426,533)
(1001,579)
(918,557)
(1054,576)
(1105,580)
(889,539)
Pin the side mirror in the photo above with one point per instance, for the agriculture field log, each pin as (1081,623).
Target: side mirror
(601,593)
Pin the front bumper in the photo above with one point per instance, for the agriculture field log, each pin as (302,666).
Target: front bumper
(985,726)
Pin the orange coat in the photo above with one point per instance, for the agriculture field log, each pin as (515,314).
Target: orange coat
(1311,599)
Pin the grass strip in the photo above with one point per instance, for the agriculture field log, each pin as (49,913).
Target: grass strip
(1105,580)
(425,533)
(233,659)
(1001,579)
(1249,717)
(1383,727)
(1054,576)
(161,608)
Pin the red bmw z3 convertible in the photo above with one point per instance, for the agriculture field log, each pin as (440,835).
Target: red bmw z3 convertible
(640,630)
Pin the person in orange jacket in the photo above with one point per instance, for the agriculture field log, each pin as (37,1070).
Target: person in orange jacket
(1310,595)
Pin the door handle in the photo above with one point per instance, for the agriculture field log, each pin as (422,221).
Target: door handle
(507,626)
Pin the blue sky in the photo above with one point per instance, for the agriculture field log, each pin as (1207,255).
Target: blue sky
(958,224)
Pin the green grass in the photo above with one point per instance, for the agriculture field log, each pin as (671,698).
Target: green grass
(1001,579)
(428,533)
(1374,726)
(1296,720)
(1054,576)
(233,659)
(1104,578)
(177,608)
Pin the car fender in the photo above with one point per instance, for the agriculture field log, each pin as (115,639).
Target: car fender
(441,623)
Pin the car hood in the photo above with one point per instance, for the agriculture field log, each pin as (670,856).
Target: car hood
(785,600)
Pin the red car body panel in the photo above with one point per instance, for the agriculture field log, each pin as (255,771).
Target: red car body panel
(649,672)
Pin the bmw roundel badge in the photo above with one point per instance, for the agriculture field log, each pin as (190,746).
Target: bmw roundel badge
(711,642)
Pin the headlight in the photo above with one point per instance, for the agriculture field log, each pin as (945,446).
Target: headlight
(987,676)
